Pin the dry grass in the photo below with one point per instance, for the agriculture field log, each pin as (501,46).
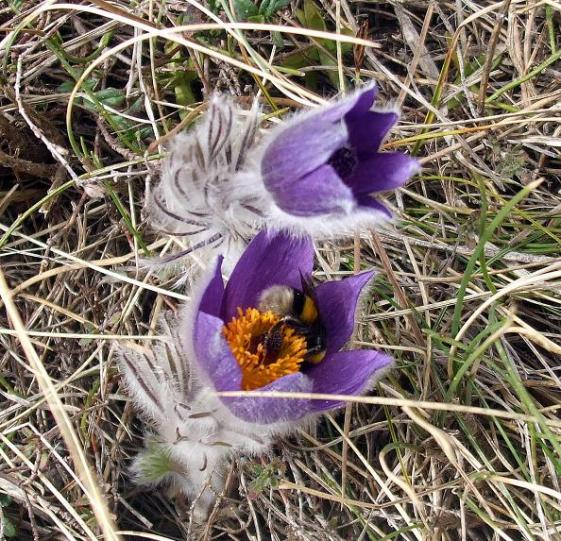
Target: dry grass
(463,439)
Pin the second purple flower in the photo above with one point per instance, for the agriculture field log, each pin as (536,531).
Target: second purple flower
(327,161)
(319,173)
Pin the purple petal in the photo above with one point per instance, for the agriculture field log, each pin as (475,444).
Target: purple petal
(319,192)
(368,131)
(337,302)
(214,354)
(383,171)
(366,97)
(368,202)
(270,409)
(270,258)
(354,106)
(308,140)
(211,300)
(299,149)
(346,372)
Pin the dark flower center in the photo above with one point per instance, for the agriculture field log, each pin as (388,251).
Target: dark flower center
(344,161)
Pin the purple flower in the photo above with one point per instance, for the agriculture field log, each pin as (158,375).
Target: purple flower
(318,174)
(227,317)
(326,162)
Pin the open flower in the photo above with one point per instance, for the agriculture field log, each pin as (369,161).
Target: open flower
(238,344)
(191,435)
(326,163)
(233,337)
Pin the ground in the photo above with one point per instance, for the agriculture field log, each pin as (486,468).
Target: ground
(462,439)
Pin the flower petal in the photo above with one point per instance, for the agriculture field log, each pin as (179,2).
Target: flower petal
(355,105)
(320,192)
(270,259)
(309,139)
(270,409)
(214,354)
(299,149)
(368,130)
(211,300)
(383,171)
(346,372)
(337,302)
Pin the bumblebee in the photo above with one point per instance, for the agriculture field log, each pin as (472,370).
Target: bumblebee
(297,310)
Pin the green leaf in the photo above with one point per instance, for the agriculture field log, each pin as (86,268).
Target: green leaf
(245,9)
(305,56)
(214,6)
(9,528)
(277,39)
(112,97)
(331,45)
(154,463)
(264,477)
(184,94)
(327,60)
(311,16)
(259,19)
(15,5)
(269,7)
(68,86)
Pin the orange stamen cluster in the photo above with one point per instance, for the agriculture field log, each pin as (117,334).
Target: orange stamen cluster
(246,335)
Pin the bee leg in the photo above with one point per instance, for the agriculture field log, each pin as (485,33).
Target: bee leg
(295,324)
(273,343)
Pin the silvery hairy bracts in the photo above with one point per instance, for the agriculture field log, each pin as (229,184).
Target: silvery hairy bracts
(207,195)
(192,435)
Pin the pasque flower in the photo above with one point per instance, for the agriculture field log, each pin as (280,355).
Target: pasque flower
(323,168)
(227,339)
(191,434)
(268,328)
(318,173)
(228,331)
